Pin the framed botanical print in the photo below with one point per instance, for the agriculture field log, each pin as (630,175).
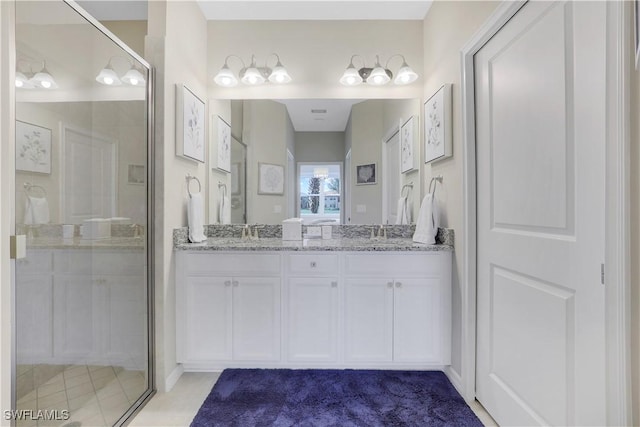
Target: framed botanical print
(190,124)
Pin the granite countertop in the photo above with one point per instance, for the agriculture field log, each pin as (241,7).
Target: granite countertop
(136,243)
(277,244)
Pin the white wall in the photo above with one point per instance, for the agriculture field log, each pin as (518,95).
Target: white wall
(315,53)
(178,52)
(447,27)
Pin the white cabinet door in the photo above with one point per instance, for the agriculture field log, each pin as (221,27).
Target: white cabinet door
(417,325)
(208,319)
(76,336)
(313,319)
(369,320)
(256,318)
(126,321)
(34,318)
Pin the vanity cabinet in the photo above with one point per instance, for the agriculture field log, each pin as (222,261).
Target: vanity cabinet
(324,309)
(398,308)
(81,305)
(313,307)
(229,307)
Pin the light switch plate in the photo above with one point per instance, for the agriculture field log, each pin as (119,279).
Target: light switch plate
(314,231)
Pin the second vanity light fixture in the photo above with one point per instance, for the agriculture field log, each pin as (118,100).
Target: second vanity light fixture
(377,75)
(108,76)
(252,75)
(40,80)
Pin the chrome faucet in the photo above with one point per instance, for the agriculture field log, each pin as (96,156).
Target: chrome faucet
(138,230)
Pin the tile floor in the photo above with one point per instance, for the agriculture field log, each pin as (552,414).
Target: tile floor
(95,396)
(180,405)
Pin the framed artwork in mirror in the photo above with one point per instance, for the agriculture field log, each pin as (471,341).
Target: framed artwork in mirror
(190,132)
(408,155)
(33,148)
(437,125)
(136,174)
(224,145)
(366,174)
(270,179)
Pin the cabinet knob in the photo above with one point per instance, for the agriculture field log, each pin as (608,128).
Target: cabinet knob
(235,283)
(227,283)
(389,284)
(334,284)
(313,264)
(398,285)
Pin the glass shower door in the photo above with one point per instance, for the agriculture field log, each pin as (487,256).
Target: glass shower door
(82,307)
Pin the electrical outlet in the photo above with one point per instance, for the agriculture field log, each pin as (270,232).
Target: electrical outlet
(361,208)
(314,231)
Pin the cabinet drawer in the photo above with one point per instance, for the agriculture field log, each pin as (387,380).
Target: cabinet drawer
(398,264)
(232,264)
(36,262)
(103,263)
(313,264)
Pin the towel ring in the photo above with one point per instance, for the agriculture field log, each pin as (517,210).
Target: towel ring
(434,182)
(409,186)
(189,179)
(29,186)
(224,187)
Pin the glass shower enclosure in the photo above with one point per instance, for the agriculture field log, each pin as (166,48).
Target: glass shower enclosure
(82,293)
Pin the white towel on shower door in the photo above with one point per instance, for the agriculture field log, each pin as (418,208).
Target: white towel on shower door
(195,218)
(428,221)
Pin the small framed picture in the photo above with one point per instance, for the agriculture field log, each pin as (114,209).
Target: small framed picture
(437,125)
(33,148)
(190,125)
(366,174)
(224,145)
(408,158)
(270,179)
(136,175)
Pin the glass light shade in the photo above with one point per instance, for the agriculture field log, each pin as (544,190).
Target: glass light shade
(225,77)
(405,75)
(378,76)
(22,81)
(133,77)
(279,74)
(108,77)
(322,173)
(44,80)
(252,77)
(351,77)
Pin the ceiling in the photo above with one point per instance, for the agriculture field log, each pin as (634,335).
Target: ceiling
(319,115)
(112,10)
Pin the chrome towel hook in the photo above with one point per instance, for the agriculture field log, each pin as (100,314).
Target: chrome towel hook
(409,186)
(434,182)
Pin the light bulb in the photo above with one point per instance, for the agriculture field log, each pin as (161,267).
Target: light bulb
(45,84)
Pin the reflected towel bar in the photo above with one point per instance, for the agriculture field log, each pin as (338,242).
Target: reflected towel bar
(189,178)
(29,186)
(434,181)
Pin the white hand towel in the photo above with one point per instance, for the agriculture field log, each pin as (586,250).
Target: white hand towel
(36,210)
(195,215)
(402,217)
(428,221)
(225,211)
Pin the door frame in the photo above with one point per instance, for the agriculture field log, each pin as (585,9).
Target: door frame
(617,208)
(391,132)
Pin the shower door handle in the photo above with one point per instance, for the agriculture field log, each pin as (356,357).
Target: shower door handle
(18,246)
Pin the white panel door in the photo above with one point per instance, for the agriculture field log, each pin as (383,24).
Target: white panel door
(392,177)
(369,320)
(313,319)
(34,317)
(208,319)
(540,107)
(89,176)
(256,318)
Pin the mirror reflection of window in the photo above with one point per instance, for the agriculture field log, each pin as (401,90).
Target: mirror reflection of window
(320,193)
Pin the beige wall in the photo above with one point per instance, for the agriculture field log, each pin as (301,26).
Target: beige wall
(178,52)
(319,146)
(132,33)
(447,27)
(315,53)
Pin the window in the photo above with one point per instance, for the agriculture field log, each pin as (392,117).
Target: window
(320,186)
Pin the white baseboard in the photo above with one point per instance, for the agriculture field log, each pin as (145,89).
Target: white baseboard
(455,379)
(173,378)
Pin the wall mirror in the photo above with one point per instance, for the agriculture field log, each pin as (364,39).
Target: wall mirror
(314,149)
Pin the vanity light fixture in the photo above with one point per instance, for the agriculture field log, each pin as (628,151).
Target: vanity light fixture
(107,76)
(321,173)
(41,80)
(252,75)
(378,75)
